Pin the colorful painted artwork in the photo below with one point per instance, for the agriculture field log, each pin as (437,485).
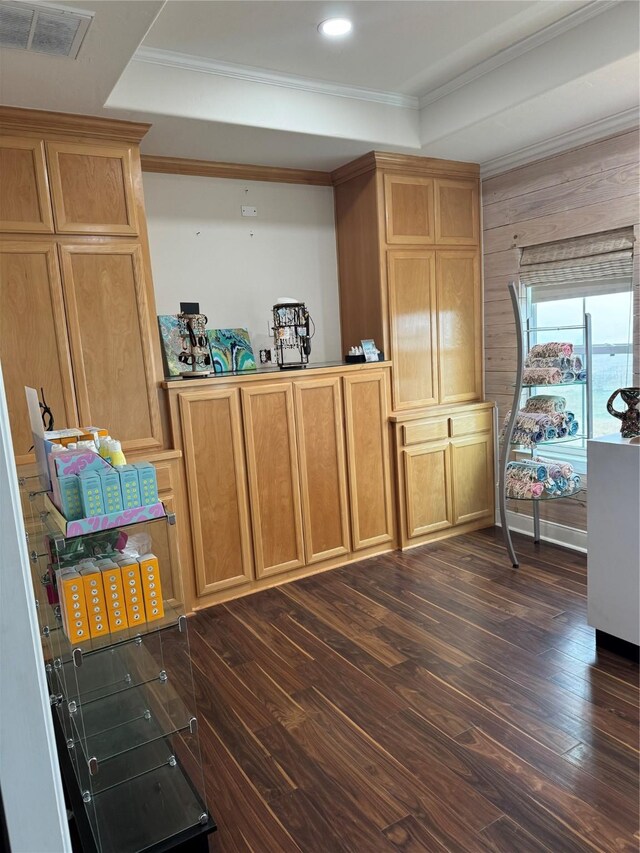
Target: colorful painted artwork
(171,343)
(230,350)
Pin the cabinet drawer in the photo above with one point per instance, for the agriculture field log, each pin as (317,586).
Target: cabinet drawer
(472,422)
(420,431)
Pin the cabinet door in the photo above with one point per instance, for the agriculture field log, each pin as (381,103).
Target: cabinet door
(427,488)
(409,209)
(459,330)
(92,188)
(216,478)
(24,189)
(110,330)
(413,326)
(472,477)
(457,212)
(274,480)
(368,460)
(323,468)
(33,338)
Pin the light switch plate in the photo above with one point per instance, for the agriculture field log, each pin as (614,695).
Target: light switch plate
(249,211)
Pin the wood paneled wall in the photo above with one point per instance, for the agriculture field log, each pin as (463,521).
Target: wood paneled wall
(582,191)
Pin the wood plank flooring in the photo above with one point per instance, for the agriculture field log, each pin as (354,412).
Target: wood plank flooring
(427,701)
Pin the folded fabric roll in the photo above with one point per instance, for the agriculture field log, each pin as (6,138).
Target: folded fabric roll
(538,478)
(545,403)
(553,349)
(542,376)
(573,362)
(531,428)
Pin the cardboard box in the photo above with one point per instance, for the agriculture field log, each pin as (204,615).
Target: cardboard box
(95,601)
(111,492)
(148,483)
(73,605)
(129,485)
(91,494)
(114,595)
(151,586)
(133,597)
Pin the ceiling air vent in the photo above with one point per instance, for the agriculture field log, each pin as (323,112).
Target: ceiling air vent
(42,28)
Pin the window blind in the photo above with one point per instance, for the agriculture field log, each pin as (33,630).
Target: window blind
(596,265)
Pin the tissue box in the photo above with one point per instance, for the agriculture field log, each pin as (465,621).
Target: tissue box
(111,492)
(129,486)
(91,493)
(148,483)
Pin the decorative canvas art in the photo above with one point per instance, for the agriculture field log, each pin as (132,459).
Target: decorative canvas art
(171,343)
(230,350)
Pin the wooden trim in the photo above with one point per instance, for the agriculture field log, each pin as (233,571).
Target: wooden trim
(407,164)
(19,120)
(185,401)
(341,498)
(439,411)
(36,146)
(113,248)
(240,171)
(63,225)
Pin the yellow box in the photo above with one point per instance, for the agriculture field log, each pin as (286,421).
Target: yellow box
(74,609)
(114,597)
(133,597)
(151,586)
(95,601)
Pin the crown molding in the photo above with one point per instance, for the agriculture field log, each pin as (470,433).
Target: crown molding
(569,22)
(407,164)
(187,62)
(241,171)
(17,119)
(595,130)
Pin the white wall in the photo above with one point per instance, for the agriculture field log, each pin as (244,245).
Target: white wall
(29,774)
(202,251)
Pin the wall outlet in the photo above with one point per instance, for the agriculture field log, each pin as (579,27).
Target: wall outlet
(249,211)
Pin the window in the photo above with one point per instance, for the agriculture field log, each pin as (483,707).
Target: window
(563,281)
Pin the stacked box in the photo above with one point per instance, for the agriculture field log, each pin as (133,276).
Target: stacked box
(69,497)
(95,600)
(74,609)
(151,586)
(91,493)
(114,595)
(129,486)
(111,494)
(133,597)
(148,483)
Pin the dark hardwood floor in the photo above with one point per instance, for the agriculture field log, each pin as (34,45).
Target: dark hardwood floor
(433,700)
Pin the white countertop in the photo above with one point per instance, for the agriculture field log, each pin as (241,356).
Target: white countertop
(616,439)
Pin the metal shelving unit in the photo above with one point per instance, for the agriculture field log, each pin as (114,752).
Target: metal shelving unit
(524,333)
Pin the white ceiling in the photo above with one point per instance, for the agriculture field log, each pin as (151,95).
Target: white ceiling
(492,81)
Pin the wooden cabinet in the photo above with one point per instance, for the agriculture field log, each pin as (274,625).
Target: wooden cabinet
(110,328)
(368,459)
(33,337)
(216,480)
(274,482)
(421,302)
(92,188)
(446,479)
(323,469)
(459,325)
(24,189)
(413,327)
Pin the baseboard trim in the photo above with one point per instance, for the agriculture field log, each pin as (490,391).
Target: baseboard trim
(550,531)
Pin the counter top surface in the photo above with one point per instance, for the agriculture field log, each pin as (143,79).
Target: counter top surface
(616,440)
(273,372)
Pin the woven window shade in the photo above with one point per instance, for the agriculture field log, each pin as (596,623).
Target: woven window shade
(596,265)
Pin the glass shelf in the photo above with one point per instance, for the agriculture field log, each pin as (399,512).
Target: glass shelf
(566,439)
(124,722)
(547,385)
(546,497)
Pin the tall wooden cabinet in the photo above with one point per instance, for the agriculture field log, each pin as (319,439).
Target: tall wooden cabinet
(77,309)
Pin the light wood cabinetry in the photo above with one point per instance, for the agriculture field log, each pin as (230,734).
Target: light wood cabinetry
(92,188)
(24,189)
(422,302)
(446,479)
(368,459)
(109,327)
(33,341)
(285,476)
(78,314)
(274,482)
(323,469)
(216,479)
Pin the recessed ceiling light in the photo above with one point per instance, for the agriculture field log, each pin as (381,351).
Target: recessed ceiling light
(335,27)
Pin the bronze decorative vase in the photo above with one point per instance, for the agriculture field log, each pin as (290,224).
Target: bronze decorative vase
(631,418)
